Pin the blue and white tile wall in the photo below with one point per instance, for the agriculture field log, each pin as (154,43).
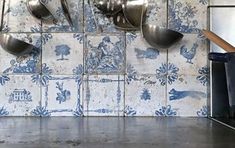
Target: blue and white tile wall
(95,69)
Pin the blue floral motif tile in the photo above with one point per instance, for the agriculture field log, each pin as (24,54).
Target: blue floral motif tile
(19,95)
(61,96)
(62,52)
(190,54)
(143,96)
(167,73)
(105,54)
(95,21)
(144,58)
(17,18)
(156,13)
(187,16)
(166,111)
(188,96)
(61,24)
(104,95)
(27,64)
(221,2)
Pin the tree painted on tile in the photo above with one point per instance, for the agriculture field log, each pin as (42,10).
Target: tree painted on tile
(63,95)
(62,50)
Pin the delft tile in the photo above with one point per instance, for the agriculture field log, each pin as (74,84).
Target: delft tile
(187,96)
(187,16)
(95,21)
(61,24)
(27,64)
(156,13)
(104,54)
(189,55)
(62,52)
(17,18)
(61,95)
(143,96)
(141,56)
(104,95)
(223,2)
(19,95)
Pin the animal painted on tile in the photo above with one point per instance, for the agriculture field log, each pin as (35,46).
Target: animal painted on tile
(149,53)
(189,54)
(177,95)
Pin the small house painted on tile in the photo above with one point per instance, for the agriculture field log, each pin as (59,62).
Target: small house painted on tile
(20,95)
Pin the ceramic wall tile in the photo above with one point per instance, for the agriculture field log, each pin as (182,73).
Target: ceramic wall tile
(19,95)
(143,96)
(223,2)
(17,18)
(187,16)
(61,95)
(61,24)
(62,52)
(189,55)
(104,95)
(156,13)
(188,96)
(95,21)
(27,64)
(105,54)
(141,56)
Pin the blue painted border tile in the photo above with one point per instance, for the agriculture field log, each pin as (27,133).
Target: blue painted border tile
(61,96)
(104,95)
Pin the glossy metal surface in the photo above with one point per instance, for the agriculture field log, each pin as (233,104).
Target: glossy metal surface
(15,46)
(160,37)
(134,11)
(121,22)
(39,10)
(65,8)
(108,7)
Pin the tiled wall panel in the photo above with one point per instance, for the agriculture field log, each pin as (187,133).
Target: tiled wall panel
(95,69)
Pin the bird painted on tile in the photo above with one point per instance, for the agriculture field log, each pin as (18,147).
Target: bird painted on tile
(149,53)
(188,54)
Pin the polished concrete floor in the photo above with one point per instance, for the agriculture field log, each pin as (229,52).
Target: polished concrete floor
(110,132)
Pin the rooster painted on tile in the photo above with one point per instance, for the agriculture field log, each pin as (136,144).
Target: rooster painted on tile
(189,54)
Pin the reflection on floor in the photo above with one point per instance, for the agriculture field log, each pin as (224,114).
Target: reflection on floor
(110,132)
